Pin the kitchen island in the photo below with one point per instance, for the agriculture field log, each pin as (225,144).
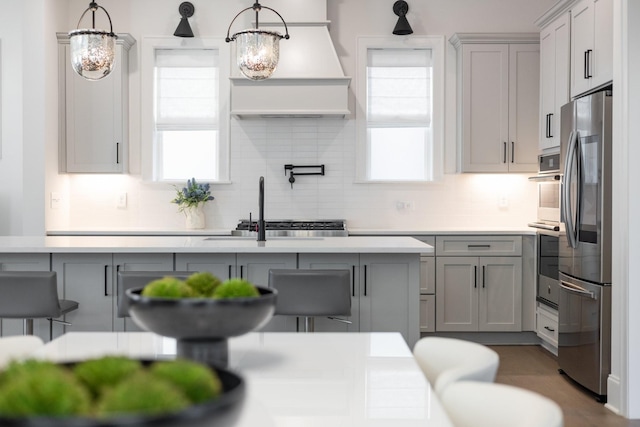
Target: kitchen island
(385,273)
(363,379)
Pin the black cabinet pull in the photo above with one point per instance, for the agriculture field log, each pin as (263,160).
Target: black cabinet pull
(546,126)
(478,246)
(117,153)
(106,290)
(229,271)
(353,280)
(589,52)
(586,59)
(242,271)
(513,149)
(475,276)
(549,329)
(365,280)
(504,153)
(483,276)
(550,128)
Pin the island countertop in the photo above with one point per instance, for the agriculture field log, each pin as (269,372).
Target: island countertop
(214,244)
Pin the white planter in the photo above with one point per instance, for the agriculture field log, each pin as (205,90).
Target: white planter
(195,217)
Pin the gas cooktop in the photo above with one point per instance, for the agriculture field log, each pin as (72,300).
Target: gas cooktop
(288,227)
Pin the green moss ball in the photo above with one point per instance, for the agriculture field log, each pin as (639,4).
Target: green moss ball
(107,371)
(203,284)
(45,391)
(197,381)
(167,287)
(142,394)
(236,288)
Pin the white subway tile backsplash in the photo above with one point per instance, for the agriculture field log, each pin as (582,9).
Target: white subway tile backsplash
(261,147)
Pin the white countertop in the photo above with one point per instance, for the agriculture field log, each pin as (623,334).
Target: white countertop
(318,379)
(220,244)
(433,231)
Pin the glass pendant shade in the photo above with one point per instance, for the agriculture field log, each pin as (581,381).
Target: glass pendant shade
(258,53)
(92,53)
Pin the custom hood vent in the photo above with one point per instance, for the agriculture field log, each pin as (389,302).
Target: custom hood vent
(308,82)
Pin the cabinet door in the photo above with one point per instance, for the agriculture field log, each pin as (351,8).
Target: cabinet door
(255,268)
(135,262)
(390,294)
(485,111)
(427,313)
(602,43)
(88,279)
(555,66)
(456,293)
(25,262)
(500,296)
(223,266)
(582,20)
(524,98)
(93,122)
(349,262)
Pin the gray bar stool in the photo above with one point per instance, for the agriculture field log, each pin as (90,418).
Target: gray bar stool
(139,279)
(32,295)
(312,293)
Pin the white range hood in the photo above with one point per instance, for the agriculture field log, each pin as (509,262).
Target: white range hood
(308,82)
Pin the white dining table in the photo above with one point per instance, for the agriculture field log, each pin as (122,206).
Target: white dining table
(297,379)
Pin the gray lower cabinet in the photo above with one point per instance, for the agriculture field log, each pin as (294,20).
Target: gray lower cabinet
(223,266)
(255,268)
(389,294)
(479,294)
(91,279)
(87,278)
(135,262)
(349,262)
(25,262)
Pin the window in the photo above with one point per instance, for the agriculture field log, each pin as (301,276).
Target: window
(185,124)
(400,131)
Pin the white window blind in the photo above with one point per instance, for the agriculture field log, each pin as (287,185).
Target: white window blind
(186,114)
(398,116)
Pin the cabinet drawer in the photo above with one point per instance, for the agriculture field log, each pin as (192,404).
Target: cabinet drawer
(547,325)
(479,245)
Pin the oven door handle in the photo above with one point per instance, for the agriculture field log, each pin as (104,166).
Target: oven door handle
(575,289)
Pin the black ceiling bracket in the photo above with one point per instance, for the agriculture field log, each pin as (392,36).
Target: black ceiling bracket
(292,174)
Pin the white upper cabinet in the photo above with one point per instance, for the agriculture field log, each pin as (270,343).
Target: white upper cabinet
(554,78)
(94,115)
(591,45)
(498,96)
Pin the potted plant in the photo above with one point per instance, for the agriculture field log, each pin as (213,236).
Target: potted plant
(191,200)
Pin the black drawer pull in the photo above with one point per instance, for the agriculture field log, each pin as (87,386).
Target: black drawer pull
(475,276)
(549,329)
(478,246)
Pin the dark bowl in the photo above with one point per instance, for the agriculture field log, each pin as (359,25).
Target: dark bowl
(221,412)
(201,318)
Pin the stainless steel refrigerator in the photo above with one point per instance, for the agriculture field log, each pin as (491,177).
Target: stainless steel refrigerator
(584,306)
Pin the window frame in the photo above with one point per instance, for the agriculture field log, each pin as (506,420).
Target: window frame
(437,46)
(147,120)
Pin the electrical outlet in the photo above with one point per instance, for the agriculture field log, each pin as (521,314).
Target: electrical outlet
(122,201)
(55,200)
(503,201)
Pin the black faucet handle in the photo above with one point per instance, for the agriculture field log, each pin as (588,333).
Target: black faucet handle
(292,179)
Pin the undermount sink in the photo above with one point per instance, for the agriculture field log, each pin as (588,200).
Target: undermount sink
(268,238)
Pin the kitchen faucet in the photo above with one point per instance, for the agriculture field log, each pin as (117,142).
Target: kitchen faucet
(261,227)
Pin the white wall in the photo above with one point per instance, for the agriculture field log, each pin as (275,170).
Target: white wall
(262,147)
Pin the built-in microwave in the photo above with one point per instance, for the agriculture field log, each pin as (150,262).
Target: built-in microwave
(548,192)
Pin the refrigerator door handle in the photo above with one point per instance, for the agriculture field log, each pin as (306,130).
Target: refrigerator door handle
(575,289)
(570,227)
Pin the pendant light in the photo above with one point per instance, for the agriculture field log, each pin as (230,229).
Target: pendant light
(257,51)
(93,51)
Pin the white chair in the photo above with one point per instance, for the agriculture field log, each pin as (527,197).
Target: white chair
(447,360)
(18,347)
(477,404)
(312,293)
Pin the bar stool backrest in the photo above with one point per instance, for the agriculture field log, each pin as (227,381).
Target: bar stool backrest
(29,295)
